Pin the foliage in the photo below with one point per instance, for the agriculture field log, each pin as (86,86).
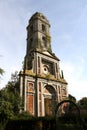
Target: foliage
(34,123)
(72,98)
(1,71)
(24,115)
(5,111)
(14,77)
(83,102)
(10,99)
(41,123)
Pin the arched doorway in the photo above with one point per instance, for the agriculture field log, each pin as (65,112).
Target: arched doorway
(49,100)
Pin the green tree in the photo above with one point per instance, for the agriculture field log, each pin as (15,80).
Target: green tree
(83,102)
(10,98)
(72,98)
(1,71)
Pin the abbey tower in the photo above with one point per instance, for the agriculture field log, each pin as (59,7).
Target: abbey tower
(42,84)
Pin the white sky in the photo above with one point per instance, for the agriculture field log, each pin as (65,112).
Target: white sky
(68,19)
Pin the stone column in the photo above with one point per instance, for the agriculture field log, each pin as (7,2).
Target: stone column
(21,85)
(25,85)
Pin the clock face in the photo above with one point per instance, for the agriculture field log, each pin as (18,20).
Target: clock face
(45,69)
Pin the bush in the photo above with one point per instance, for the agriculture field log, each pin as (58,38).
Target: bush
(41,123)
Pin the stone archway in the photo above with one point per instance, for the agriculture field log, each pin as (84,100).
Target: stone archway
(49,100)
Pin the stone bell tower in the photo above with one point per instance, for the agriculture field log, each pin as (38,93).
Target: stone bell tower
(42,84)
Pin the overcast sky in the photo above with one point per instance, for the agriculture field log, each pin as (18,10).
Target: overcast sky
(68,19)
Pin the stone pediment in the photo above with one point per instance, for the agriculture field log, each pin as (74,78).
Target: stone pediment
(47,53)
(50,54)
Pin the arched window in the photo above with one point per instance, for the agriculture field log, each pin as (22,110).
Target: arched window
(31,28)
(30,44)
(44,41)
(43,28)
(30,87)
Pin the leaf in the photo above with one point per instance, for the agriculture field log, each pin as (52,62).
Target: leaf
(1,71)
